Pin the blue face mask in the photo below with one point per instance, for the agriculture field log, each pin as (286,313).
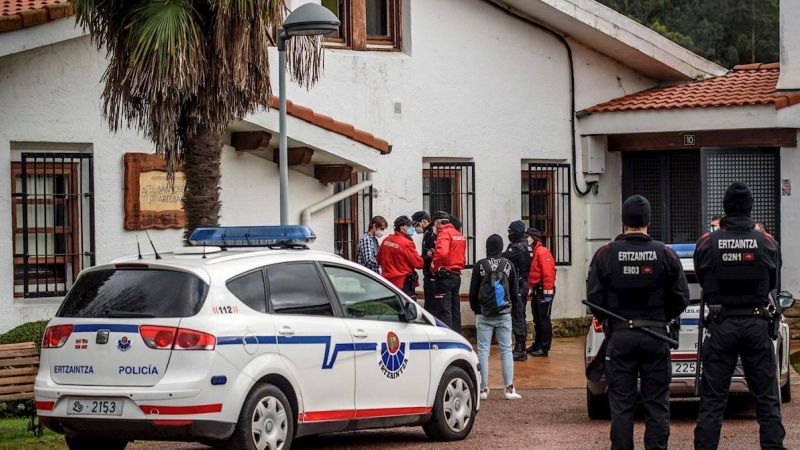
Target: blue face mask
(410,231)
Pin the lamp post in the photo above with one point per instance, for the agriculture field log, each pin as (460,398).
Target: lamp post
(310,19)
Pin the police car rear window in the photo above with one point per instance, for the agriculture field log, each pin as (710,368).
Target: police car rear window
(134,293)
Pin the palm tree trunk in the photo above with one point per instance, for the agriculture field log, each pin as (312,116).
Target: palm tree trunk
(201,166)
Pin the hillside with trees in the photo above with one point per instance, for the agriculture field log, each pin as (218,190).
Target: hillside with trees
(728,32)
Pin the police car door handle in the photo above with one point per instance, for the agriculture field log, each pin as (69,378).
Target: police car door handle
(360,333)
(286,331)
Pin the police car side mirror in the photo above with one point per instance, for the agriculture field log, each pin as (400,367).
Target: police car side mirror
(412,312)
(786,300)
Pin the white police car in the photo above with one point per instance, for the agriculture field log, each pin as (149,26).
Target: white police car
(247,349)
(684,359)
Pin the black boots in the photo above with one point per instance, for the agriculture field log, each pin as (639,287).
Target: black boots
(519,353)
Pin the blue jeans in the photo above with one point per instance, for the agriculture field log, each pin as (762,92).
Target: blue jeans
(485,326)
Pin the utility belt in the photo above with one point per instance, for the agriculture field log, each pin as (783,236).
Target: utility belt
(445,272)
(718,313)
(410,284)
(632,324)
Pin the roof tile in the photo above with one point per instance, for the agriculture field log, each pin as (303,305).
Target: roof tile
(749,84)
(15,14)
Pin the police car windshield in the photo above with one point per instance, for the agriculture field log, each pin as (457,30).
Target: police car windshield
(134,293)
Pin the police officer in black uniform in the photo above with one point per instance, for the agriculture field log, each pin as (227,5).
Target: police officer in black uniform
(423,220)
(737,268)
(519,253)
(642,280)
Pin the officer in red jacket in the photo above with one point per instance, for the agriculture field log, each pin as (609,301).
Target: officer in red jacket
(542,280)
(449,259)
(398,257)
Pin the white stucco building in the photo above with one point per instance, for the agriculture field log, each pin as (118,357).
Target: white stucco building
(482,107)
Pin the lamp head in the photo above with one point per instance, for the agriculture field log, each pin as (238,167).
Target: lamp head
(311,19)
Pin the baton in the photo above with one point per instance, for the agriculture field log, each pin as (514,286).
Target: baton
(700,339)
(643,329)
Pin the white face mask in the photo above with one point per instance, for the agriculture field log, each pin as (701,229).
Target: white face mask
(379,233)
(418,229)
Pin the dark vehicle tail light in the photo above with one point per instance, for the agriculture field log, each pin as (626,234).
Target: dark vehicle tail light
(598,327)
(56,336)
(171,338)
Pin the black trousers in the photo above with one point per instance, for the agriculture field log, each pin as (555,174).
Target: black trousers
(747,338)
(447,301)
(518,311)
(542,327)
(429,289)
(631,354)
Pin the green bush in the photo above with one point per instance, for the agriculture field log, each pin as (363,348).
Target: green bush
(27,332)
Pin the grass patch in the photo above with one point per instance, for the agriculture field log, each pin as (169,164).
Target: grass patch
(14,434)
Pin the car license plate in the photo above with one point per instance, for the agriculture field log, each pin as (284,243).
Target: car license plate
(95,407)
(684,367)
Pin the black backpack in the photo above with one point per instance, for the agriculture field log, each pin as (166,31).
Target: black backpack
(494,294)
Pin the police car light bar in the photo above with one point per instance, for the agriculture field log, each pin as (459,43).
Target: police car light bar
(261,236)
(683,250)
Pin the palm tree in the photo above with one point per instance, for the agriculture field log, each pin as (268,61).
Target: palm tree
(181,70)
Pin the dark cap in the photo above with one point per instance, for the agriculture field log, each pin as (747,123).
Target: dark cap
(419,216)
(517,227)
(636,212)
(494,245)
(533,232)
(456,223)
(401,221)
(441,215)
(738,199)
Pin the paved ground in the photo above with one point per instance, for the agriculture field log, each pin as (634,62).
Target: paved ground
(551,415)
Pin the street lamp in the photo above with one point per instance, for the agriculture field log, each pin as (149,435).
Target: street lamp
(310,19)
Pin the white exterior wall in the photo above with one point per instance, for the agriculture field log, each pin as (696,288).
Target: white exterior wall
(790,45)
(52,95)
(473,83)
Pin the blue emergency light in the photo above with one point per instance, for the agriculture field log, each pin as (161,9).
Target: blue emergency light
(261,236)
(683,250)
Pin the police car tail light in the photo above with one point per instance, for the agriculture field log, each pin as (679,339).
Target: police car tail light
(194,340)
(171,338)
(598,327)
(56,336)
(263,236)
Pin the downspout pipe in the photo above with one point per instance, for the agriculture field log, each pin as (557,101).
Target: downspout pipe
(516,14)
(305,217)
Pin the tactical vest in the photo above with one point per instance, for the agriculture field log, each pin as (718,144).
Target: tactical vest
(740,268)
(637,277)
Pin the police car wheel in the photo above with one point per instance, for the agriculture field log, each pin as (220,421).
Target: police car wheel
(266,421)
(597,406)
(454,408)
(85,443)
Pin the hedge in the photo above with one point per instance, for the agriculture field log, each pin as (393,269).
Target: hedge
(27,332)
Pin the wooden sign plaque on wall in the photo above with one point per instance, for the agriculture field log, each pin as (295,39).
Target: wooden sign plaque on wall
(149,200)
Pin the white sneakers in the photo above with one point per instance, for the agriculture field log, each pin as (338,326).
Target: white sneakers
(510,393)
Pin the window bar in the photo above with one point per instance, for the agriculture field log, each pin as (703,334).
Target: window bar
(25,269)
(90,196)
(43,204)
(36,218)
(64,201)
(471,215)
(568,220)
(78,247)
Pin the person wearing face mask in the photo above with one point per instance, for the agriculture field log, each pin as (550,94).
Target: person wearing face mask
(449,259)
(713,224)
(519,254)
(368,244)
(398,257)
(423,226)
(542,280)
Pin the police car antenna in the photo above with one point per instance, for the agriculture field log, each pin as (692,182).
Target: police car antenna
(152,245)
(138,248)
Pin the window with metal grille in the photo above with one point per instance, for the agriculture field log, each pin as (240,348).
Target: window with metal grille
(758,168)
(546,206)
(685,188)
(450,187)
(53,221)
(351,217)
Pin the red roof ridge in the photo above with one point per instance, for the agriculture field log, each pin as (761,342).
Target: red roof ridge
(757,66)
(328,123)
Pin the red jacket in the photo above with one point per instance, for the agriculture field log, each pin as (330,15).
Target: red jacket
(451,249)
(398,258)
(543,269)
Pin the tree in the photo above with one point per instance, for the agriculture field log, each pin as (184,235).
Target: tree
(181,70)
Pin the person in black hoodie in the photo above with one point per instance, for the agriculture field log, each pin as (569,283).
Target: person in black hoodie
(423,225)
(519,253)
(491,291)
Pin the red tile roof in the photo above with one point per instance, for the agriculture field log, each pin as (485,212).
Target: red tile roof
(751,84)
(327,122)
(15,14)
